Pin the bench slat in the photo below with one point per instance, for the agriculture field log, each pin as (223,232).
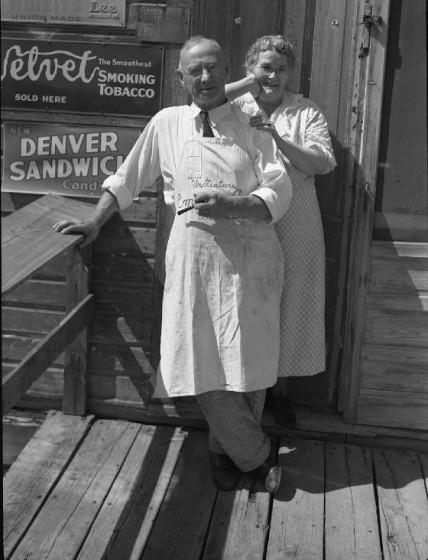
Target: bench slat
(28,241)
(47,350)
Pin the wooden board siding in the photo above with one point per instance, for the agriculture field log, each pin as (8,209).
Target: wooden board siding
(394,355)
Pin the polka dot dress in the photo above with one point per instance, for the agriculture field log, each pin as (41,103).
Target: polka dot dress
(300,233)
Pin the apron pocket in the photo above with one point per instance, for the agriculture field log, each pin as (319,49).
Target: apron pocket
(193,160)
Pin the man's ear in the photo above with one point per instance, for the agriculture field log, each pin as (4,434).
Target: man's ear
(180,76)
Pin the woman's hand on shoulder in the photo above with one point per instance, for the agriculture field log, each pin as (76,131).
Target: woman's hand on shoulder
(262,123)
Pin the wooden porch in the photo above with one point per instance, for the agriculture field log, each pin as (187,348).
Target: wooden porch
(86,488)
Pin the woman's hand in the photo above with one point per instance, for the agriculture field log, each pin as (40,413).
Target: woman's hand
(262,123)
(89,228)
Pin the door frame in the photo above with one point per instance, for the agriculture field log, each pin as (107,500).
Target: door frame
(364,136)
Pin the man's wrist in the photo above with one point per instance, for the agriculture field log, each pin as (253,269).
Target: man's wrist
(250,207)
(96,224)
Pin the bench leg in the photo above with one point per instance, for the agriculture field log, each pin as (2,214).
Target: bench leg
(75,356)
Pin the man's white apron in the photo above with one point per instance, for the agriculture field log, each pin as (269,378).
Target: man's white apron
(220,319)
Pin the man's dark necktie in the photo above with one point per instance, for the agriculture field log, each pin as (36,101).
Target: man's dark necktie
(206,127)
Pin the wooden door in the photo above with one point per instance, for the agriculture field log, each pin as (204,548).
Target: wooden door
(386,352)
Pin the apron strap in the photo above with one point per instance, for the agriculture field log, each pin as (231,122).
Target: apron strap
(243,137)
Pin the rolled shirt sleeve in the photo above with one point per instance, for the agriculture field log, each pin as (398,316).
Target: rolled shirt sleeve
(139,170)
(317,137)
(274,182)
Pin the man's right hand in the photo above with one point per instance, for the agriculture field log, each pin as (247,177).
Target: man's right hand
(89,228)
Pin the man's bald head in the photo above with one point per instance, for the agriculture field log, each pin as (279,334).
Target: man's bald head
(203,72)
(197,40)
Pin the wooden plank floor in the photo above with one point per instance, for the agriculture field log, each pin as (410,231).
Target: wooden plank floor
(92,489)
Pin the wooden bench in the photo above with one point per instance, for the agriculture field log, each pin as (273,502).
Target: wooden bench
(28,244)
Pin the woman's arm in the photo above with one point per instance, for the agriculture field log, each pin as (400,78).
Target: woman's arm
(249,84)
(308,160)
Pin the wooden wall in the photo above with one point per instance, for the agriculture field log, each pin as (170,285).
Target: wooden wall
(127,271)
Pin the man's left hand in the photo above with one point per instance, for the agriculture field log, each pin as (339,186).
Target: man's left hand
(212,204)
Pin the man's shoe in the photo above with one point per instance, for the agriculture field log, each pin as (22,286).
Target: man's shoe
(225,473)
(271,473)
(272,477)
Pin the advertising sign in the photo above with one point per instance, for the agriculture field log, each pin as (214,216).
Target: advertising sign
(106,13)
(81,77)
(66,160)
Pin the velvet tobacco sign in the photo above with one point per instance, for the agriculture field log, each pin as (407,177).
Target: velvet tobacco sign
(81,77)
(68,160)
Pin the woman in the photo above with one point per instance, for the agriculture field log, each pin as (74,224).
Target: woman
(301,133)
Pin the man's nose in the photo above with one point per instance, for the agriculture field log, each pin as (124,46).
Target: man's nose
(205,74)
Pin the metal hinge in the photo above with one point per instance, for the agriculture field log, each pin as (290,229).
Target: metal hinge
(368,20)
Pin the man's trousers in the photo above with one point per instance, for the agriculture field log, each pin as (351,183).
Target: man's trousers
(234,426)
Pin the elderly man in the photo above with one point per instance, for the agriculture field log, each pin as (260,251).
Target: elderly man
(224,265)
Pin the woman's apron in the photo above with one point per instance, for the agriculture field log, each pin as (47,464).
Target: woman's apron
(221,302)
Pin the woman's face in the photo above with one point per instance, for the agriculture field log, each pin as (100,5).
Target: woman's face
(272,72)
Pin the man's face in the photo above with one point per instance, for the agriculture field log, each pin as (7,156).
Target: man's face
(203,73)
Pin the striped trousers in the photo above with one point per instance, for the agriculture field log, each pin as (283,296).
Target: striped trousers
(234,426)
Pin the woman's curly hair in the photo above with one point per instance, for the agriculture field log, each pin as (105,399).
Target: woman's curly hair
(270,43)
